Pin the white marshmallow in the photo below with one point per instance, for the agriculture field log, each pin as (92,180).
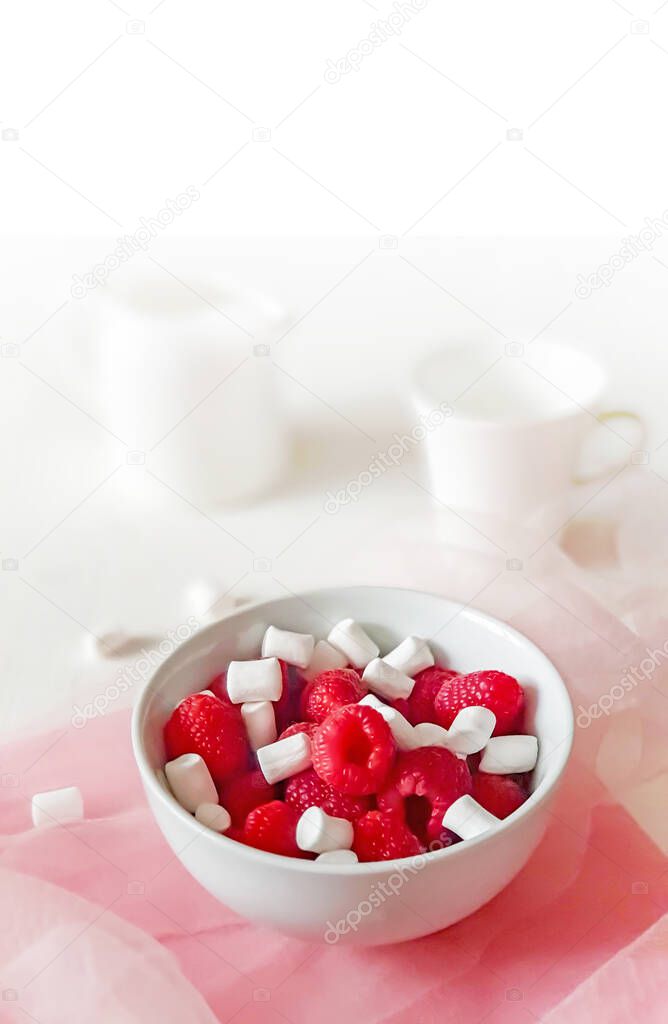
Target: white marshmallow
(410,656)
(191,782)
(214,817)
(260,722)
(505,755)
(400,727)
(387,681)
(295,648)
(349,638)
(319,832)
(337,857)
(284,758)
(249,681)
(467,819)
(325,658)
(428,734)
(471,730)
(162,779)
(57,806)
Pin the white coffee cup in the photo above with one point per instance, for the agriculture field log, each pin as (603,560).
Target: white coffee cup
(519,420)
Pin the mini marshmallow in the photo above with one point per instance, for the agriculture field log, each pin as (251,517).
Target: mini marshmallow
(285,757)
(471,730)
(400,727)
(191,782)
(467,819)
(260,722)
(319,832)
(57,806)
(410,656)
(349,638)
(505,755)
(250,681)
(214,817)
(162,779)
(337,857)
(325,658)
(387,681)
(295,648)
(428,734)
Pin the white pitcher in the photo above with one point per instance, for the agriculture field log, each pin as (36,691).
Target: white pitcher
(188,384)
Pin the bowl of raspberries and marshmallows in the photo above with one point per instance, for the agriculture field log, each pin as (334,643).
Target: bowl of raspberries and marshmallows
(347,777)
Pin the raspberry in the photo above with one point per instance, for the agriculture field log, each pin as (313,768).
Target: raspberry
(272,827)
(419,707)
(497,691)
(244,793)
(308,727)
(383,836)
(330,691)
(498,794)
(308,790)
(218,685)
(353,750)
(204,725)
(421,787)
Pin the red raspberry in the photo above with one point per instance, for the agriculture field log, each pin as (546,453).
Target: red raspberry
(422,786)
(308,727)
(218,685)
(330,691)
(383,836)
(308,790)
(497,691)
(353,750)
(419,707)
(204,725)
(244,793)
(272,827)
(498,794)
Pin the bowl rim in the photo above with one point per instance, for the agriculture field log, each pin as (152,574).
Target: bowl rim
(535,800)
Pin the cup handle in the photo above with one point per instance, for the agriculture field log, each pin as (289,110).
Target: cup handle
(605,417)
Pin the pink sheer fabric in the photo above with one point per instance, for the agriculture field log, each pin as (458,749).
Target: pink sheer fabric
(67,960)
(594,885)
(578,936)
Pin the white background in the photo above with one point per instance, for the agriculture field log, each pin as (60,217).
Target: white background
(109,110)
(121,105)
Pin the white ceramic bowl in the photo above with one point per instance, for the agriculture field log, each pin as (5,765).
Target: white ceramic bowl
(367,904)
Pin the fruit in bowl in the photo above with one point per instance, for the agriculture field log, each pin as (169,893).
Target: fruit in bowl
(358,761)
(303,771)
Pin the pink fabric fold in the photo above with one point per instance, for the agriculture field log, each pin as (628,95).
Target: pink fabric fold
(579,935)
(594,885)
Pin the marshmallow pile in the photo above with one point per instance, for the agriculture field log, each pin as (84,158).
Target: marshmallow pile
(255,688)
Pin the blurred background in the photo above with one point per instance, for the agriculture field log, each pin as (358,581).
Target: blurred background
(232,232)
